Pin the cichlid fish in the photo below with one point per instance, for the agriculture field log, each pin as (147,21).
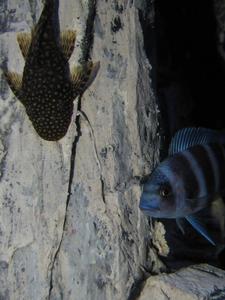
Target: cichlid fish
(189,180)
(47,88)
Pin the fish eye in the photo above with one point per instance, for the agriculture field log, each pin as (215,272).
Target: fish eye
(165,191)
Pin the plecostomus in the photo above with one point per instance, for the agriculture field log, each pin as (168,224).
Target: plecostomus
(47,88)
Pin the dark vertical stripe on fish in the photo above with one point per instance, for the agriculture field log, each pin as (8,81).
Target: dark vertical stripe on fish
(165,171)
(203,170)
(197,173)
(220,153)
(212,154)
(183,170)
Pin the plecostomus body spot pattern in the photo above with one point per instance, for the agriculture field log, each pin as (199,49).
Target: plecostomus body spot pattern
(47,87)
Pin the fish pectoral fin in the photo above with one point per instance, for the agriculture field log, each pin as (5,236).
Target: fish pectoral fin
(24,41)
(179,222)
(194,221)
(15,82)
(67,42)
(83,76)
(196,204)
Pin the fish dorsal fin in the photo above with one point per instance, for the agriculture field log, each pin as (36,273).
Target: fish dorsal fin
(67,42)
(83,76)
(191,136)
(194,221)
(15,82)
(24,41)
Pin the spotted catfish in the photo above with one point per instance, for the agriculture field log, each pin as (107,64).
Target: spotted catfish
(47,88)
(189,180)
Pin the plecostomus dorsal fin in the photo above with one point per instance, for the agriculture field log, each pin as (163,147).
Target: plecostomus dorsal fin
(47,88)
(67,41)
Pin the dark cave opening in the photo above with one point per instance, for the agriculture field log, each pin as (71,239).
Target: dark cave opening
(190,71)
(188,77)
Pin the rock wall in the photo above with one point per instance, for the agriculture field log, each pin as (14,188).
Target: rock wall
(193,283)
(70,227)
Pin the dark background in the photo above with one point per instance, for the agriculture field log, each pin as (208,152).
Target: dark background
(190,73)
(188,77)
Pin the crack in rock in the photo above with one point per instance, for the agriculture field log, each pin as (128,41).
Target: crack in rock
(72,168)
(86,48)
(96,153)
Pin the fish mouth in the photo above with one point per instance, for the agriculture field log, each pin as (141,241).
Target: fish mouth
(151,211)
(147,208)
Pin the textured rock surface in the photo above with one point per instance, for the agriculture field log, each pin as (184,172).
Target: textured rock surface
(87,244)
(70,227)
(196,282)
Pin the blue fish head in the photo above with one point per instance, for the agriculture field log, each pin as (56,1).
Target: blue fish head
(157,199)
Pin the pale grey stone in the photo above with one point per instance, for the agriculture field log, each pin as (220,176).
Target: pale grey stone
(192,283)
(90,243)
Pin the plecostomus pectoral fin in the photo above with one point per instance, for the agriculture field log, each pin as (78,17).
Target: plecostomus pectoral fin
(83,76)
(15,82)
(24,41)
(67,42)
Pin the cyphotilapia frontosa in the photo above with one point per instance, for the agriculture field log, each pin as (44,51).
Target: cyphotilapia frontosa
(47,88)
(191,179)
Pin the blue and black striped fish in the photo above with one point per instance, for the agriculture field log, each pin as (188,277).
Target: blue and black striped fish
(189,180)
(47,88)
